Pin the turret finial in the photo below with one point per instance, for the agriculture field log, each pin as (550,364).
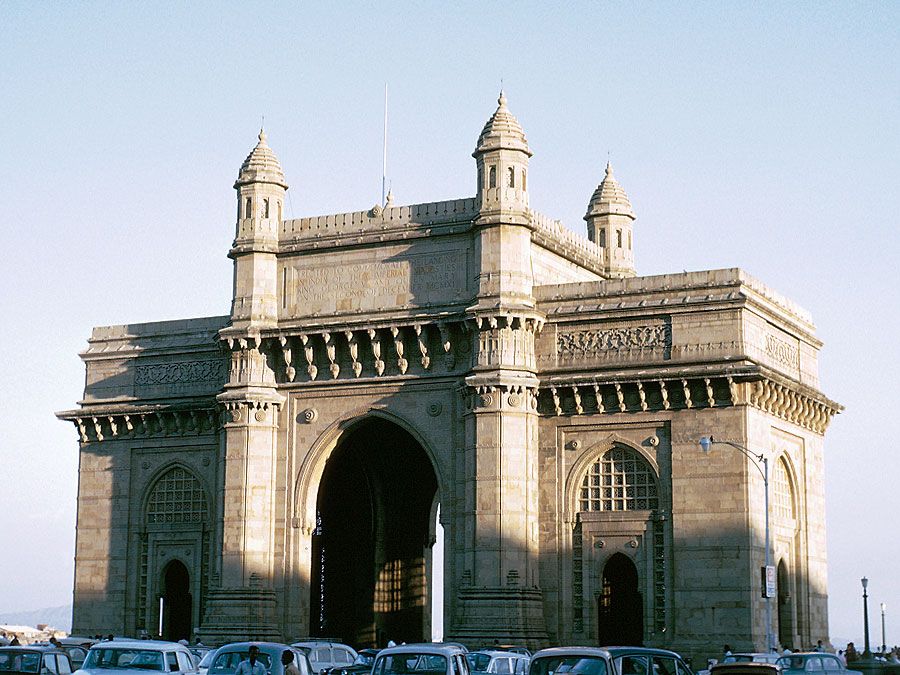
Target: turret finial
(609,168)
(501,100)
(262,136)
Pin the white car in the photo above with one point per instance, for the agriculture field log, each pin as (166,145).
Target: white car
(325,654)
(422,659)
(497,662)
(125,657)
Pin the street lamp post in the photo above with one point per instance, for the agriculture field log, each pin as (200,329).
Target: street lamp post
(706,443)
(883,638)
(867,654)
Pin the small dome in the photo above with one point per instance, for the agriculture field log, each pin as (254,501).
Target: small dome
(609,198)
(261,166)
(502,130)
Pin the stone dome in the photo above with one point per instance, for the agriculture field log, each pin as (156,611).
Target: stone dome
(502,130)
(261,165)
(609,198)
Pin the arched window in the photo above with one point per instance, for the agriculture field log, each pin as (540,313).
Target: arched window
(481,185)
(784,505)
(248,208)
(629,241)
(279,210)
(265,208)
(523,179)
(603,238)
(492,177)
(511,177)
(176,497)
(620,480)
(619,238)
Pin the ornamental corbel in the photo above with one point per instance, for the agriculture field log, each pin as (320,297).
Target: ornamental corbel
(112,425)
(402,363)
(308,352)
(687,394)
(621,396)
(577,396)
(556,405)
(375,339)
(598,394)
(353,348)
(423,346)
(98,429)
(128,424)
(643,396)
(82,431)
(664,393)
(331,353)
(289,371)
(709,393)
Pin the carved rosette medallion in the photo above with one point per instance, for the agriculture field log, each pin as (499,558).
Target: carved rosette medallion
(435,408)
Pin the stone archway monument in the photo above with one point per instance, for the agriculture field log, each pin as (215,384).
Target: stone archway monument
(470,353)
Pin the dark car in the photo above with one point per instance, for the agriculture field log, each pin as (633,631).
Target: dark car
(362,664)
(34,659)
(745,667)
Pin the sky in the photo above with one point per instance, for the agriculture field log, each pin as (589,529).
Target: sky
(760,135)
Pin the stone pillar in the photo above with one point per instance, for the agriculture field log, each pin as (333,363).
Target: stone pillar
(499,596)
(243,605)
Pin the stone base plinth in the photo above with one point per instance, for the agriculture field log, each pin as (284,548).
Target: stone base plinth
(239,614)
(500,616)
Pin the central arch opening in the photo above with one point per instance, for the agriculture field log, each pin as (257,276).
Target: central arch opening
(621,614)
(371,547)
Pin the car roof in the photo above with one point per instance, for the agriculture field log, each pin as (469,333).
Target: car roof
(243,646)
(499,652)
(572,651)
(31,648)
(138,644)
(423,648)
(652,651)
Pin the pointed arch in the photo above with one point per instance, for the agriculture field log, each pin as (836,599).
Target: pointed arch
(312,468)
(784,493)
(591,456)
(175,496)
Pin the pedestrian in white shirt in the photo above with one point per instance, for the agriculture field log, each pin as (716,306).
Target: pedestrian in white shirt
(252,665)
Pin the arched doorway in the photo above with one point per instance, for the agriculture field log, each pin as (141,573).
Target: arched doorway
(620,605)
(785,608)
(177,606)
(374,506)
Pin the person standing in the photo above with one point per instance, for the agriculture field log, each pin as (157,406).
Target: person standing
(287,660)
(252,665)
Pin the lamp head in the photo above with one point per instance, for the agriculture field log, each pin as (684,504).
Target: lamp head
(883,607)
(865,582)
(705,443)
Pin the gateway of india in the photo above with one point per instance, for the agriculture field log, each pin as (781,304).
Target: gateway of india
(470,370)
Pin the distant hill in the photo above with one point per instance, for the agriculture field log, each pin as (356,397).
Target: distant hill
(58,617)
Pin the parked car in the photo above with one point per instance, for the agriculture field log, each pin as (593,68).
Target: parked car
(362,664)
(490,661)
(745,667)
(813,663)
(422,659)
(607,661)
(227,658)
(516,649)
(203,666)
(126,656)
(34,659)
(752,657)
(326,654)
(76,648)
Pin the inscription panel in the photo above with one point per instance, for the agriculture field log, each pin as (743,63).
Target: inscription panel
(180,377)
(348,286)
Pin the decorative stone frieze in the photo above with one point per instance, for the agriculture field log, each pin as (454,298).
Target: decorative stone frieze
(104,424)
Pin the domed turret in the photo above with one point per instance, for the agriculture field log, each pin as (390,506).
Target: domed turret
(261,165)
(609,217)
(260,193)
(501,155)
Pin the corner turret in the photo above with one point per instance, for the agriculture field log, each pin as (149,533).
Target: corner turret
(609,219)
(502,155)
(260,206)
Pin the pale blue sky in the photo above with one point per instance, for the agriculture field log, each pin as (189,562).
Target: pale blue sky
(757,135)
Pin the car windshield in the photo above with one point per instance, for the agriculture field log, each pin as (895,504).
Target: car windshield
(579,665)
(398,664)
(364,659)
(738,658)
(227,662)
(125,659)
(207,659)
(791,662)
(478,661)
(20,662)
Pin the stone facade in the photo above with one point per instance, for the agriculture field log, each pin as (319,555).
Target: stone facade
(470,355)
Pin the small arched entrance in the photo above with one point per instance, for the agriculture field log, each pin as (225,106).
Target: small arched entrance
(177,605)
(370,568)
(785,608)
(620,605)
